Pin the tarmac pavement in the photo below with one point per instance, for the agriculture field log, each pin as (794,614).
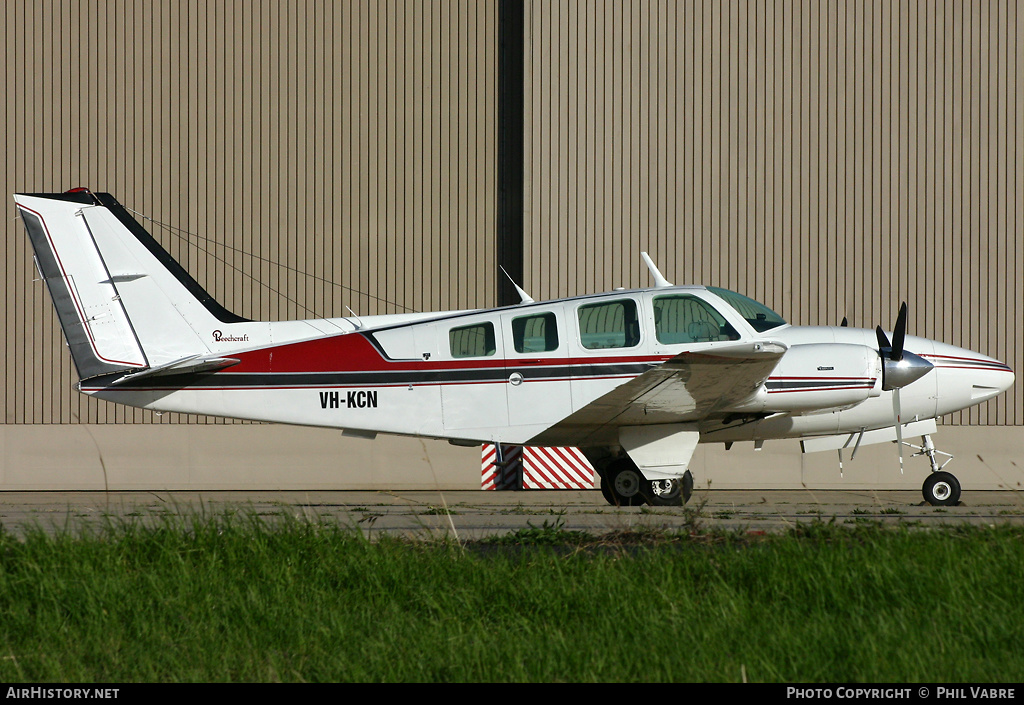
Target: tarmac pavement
(469,515)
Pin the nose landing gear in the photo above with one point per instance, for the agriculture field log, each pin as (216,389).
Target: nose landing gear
(940,488)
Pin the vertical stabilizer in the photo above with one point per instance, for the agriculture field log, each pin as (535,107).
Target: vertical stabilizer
(124,304)
(95,323)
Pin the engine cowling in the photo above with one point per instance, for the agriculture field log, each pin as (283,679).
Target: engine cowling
(823,377)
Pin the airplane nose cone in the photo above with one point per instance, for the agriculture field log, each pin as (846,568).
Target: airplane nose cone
(910,368)
(991,381)
(967,378)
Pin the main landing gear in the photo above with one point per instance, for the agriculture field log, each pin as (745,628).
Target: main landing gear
(940,488)
(623,485)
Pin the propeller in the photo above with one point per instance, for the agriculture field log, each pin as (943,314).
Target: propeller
(899,368)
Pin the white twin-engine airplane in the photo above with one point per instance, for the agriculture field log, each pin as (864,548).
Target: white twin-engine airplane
(635,379)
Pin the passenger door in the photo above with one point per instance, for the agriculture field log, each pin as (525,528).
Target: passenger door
(537,367)
(473,378)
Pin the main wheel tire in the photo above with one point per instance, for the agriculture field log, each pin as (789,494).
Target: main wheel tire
(669,493)
(664,493)
(941,489)
(606,491)
(625,482)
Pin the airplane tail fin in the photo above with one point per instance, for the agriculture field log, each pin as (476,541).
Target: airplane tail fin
(124,304)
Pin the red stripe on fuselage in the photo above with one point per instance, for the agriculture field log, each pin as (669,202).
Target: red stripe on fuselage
(974,363)
(351,352)
(354,352)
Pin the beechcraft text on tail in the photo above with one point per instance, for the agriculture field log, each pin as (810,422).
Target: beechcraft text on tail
(634,379)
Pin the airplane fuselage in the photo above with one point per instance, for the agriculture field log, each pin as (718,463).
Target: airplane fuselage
(479,376)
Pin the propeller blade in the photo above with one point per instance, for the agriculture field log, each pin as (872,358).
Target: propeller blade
(883,341)
(896,413)
(899,334)
(899,366)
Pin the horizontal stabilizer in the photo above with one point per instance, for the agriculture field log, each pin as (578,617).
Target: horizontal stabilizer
(186,365)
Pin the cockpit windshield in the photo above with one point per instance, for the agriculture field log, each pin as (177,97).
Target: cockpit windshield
(759,316)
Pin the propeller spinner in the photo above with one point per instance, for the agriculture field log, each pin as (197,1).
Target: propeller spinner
(900,367)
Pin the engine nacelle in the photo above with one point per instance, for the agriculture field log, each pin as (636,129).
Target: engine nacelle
(823,377)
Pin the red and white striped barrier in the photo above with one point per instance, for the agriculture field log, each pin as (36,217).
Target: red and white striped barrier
(539,468)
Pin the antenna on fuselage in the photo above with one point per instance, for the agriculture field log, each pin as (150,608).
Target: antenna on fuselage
(359,322)
(523,296)
(660,281)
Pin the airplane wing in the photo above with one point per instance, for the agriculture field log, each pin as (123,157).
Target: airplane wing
(688,387)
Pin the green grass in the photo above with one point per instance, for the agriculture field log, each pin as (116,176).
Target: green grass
(247,598)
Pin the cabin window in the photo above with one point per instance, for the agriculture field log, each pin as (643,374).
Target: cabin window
(609,325)
(688,319)
(472,341)
(535,334)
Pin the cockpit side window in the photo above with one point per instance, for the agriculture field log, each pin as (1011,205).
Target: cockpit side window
(472,341)
(759,316)
(612,324)
(689,319)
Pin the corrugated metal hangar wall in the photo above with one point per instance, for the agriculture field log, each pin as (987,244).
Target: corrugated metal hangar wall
(828,158)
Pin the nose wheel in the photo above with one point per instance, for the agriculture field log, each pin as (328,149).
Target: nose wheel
(941,489)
